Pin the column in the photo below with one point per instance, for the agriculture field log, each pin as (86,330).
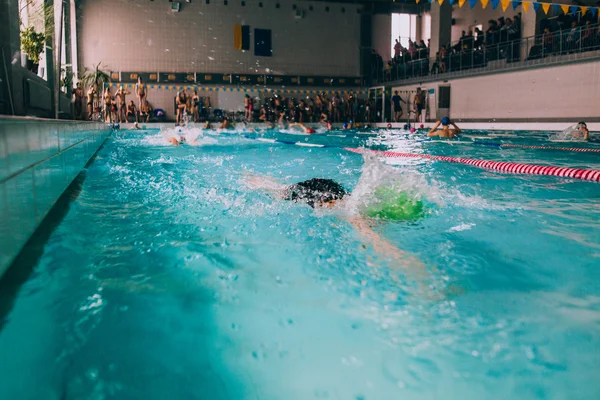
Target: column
(441,27)
(11,92)
(530,26)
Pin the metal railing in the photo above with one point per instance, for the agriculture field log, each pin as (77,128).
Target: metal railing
(488,54)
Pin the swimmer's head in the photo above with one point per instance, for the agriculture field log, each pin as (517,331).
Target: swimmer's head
(345,125)
(389,125)
(446,121)
(581,125)
(316,192)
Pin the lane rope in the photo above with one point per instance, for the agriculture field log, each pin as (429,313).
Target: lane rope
(523,146)
(515,168)
(592,175)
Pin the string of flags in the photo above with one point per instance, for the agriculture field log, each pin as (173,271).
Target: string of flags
(239,90)
(534,6)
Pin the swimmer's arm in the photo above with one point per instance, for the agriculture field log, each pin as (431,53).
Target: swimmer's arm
(586,135)
(432,131)
(382,246)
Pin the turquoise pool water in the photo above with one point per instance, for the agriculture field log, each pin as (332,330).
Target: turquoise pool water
(170,276)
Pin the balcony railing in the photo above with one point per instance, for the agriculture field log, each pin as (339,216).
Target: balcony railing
(490,54)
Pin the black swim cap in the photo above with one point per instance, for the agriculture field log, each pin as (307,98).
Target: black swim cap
(315,190)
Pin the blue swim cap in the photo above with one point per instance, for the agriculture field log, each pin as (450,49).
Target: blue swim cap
(446,121)
(345,126)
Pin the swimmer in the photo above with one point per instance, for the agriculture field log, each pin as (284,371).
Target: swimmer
(225,124)
(445,132)
(136,126)
(319,193)
(582,131)
(207,125)
(310,131)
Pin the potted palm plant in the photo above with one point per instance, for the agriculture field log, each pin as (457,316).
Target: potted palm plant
(95,77)
(32,44)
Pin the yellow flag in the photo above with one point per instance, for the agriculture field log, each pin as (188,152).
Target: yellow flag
(484,3)
(505,4)
(461,2)
(525,5)
(583,10)
(440,1)
(565,8)
(418,1)
(545,7)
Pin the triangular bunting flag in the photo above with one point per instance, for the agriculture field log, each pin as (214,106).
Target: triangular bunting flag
(440,1)
(495,4)
(536,6)
(574,10)
(545,7)
(484,3)
(418,1)
(461,2)
(583,10)
(565,8)
(472,3)
(556,9)
(525,5)
(593,10)
(452,2)
(515,4)
(505,4)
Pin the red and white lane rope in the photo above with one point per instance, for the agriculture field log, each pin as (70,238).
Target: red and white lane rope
(515,168)
(578,149)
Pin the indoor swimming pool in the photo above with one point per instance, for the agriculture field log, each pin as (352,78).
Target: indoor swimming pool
(169,272)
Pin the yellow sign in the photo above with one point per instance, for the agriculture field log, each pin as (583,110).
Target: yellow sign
(133,76)
(171,77)
(153,77)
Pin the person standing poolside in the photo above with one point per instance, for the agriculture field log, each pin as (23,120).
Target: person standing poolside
(196,106)
(90,101)
(121,98)
(77,101)
(108,105)
(181,104)
(445,131)
(397,108)
(141,91)
(419,104)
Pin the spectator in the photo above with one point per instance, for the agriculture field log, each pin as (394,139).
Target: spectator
(145,110)
(478,38)
(548,40)
(396,106)
(131,112)
(77,101)
(141,91)
(397,48)
(443,59)
(196,106)
(422,49)
(435,68)
(419,104)
(572,37)
(181,105)
(587,36)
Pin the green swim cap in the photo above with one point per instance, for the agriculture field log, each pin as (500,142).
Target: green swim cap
(397,206)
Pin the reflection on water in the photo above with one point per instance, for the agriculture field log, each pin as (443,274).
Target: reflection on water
(170,278)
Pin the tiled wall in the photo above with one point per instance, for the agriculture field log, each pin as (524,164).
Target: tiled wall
(145,36)
(38,160)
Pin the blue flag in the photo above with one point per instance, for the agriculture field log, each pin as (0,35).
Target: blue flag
(536,6)
(472,3)
(593,10)
(452,2)
(574,10)
(495,4)
(556,9)
(515,4)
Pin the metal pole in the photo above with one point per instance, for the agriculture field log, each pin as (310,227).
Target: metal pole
(58,46)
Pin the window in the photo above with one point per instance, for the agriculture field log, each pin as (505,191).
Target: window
(404,26)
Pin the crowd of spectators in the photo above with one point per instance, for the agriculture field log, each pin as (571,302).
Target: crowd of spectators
(321,108)
(501,40)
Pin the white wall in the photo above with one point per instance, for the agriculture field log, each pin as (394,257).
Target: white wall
(568,92)
(142,35)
